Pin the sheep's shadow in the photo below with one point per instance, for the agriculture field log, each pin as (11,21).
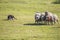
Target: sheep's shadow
(34,24)
(55,2)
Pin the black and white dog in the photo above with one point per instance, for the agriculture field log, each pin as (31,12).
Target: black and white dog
(10,17)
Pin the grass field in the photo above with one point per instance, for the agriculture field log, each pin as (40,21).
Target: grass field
(24,28)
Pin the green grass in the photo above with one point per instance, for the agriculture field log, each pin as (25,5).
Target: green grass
(23,28)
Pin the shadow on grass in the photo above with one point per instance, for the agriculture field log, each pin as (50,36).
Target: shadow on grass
(34,24)
(5,19)
(55,2)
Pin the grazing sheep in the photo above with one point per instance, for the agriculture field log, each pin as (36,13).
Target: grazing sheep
(56,19)
(51,18)
(37,17)
(47,17)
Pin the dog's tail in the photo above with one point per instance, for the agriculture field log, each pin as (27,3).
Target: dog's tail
(15,18)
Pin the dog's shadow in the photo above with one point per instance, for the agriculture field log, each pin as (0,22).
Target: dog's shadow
(5,19)
(34,24)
